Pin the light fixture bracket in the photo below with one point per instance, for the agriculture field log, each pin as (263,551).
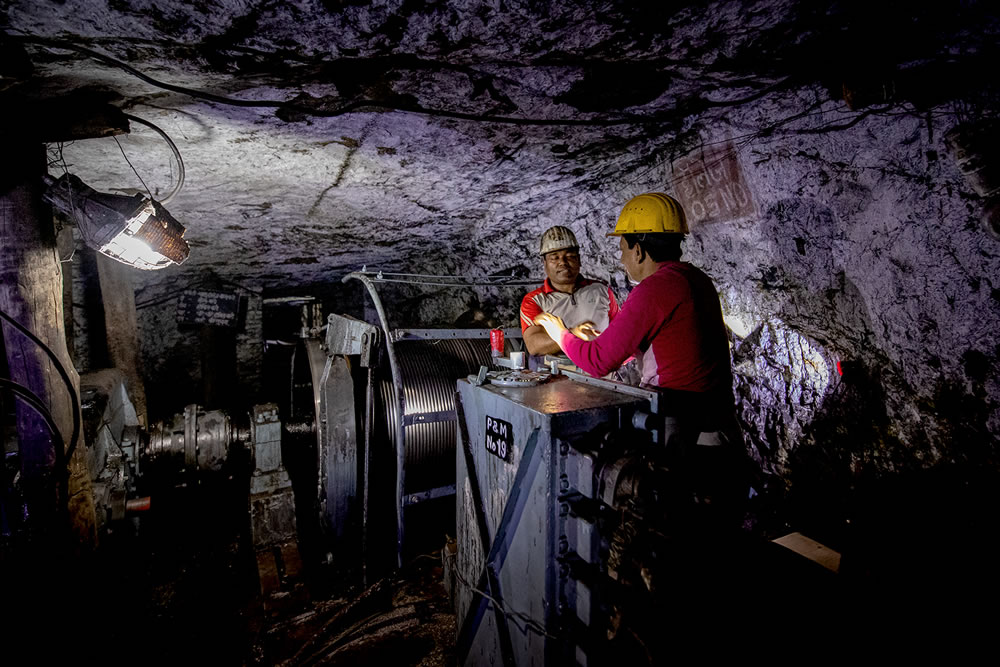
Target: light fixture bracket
(134,230)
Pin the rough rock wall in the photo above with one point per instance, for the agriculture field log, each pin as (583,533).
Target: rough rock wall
(175,353)
(868,242)
(861,291)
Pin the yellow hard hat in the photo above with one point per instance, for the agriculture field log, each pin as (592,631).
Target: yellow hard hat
(651,213)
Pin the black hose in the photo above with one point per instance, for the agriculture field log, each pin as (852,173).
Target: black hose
(408,107)
(32,399)
(173,148)
(74,400)
(61,464)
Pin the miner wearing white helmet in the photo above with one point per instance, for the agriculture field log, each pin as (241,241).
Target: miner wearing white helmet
(585,306)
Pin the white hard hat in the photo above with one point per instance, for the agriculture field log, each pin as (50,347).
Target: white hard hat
(557,238)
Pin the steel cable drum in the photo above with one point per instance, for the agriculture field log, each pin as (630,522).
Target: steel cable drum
(428,371)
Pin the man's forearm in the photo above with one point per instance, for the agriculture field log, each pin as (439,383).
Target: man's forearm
(538,342)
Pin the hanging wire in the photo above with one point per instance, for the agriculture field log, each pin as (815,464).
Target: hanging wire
(513,615)
(401,281)
(379,272)
(167,296)
(344,109)
(414,275)
(408,107)
(739,142)
(744,140)
(459,281)
(61,159)
(146,187)
(173,148)
(357,105)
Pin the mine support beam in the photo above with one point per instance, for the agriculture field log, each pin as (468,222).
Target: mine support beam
(122,329)
(31,292)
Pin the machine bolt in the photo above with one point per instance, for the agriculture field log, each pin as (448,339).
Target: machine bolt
(563,545)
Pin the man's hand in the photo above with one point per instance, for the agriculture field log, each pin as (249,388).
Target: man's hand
(552,324)
(585,330)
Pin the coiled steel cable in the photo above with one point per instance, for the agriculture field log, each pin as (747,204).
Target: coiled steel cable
(428,371)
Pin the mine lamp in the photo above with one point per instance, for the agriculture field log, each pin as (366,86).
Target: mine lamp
(136,231)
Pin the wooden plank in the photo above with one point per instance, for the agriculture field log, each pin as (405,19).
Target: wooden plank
(267,571)
(811,549)
(79,115)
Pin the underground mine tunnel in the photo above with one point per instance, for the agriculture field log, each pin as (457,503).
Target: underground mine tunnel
(256,256)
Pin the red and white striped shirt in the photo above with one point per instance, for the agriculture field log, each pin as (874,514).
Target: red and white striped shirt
(590,301)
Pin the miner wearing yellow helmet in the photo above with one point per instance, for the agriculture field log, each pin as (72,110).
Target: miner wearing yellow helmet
(671,321)
(586,306)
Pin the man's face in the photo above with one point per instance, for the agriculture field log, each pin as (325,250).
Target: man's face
(628,259)
(562,266)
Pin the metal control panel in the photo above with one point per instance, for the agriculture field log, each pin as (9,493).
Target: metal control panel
(529,555)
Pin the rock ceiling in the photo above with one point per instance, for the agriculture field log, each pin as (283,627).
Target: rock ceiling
(320,136)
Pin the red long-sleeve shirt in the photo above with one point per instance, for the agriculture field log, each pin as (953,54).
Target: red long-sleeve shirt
(673,322)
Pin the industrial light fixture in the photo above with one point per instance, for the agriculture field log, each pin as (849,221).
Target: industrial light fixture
(136,231)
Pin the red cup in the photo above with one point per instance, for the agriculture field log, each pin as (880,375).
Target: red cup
(496,342)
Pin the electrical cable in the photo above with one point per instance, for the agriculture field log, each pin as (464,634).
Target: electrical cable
(167,296)
(74,400)
(31,399)
(456,284)
(513,615)
(159,300)
(521,282)
(741,142)
(239,285)
(134,171)
(108,60)
(367,103)
(429,275)
(458,115)
(173,148)
(71,199)
(460,281)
